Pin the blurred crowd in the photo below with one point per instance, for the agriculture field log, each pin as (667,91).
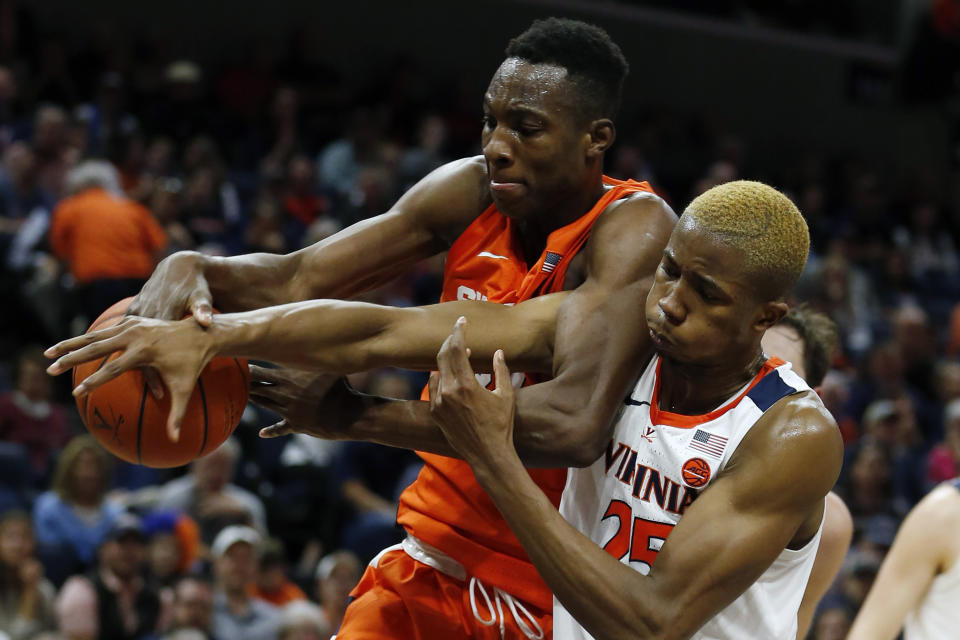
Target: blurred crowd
(115,153)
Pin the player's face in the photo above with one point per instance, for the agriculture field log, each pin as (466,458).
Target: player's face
(533,140)
(782,341)
(701,308)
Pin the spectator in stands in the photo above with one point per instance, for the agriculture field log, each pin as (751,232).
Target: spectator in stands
(272,583)
(114,601)
(192,607)
(28,415)
(173,546)
(211,203)
(110,243)
(303,620)
(236,615)
(74,517)
(52,149)
(26,598)
(337,574)
(867,488)
(207,495)
(943,461)
(342,162)
(833,621)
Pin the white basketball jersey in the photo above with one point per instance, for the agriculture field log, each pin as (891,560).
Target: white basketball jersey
(937,615)
(655,466)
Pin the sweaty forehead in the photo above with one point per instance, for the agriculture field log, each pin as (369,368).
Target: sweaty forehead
(519,83)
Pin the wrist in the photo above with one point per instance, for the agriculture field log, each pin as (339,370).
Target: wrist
(494,466)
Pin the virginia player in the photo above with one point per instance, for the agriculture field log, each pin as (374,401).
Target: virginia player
(718,467)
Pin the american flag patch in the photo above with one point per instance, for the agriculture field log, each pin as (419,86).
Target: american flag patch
(550,262)
(709,443)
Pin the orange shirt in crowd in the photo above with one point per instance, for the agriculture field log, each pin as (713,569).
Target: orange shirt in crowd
(288,592)
(101,235)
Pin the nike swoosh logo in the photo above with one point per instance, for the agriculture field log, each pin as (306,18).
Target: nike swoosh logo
(487,254)
(636,403)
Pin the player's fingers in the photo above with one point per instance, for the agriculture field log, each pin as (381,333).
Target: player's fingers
(201,307)
(281,428)
(434,389)
(502,373)
(272,393)
(67,346)
(453,360)
(263,375)
(106,373)
(152,377)
(179,398)
(87,353)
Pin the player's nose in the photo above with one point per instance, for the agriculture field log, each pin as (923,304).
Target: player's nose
(671,306)
(498,150)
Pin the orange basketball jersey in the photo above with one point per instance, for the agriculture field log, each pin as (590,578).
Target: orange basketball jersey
(445,507)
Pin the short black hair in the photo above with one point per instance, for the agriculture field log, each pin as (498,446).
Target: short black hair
(591,58)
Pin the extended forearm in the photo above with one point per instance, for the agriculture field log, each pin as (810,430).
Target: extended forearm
(251,281)
(343,337)
(405,424)
(325,335)
(604,595)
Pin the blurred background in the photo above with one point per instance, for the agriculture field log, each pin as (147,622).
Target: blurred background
(266,126)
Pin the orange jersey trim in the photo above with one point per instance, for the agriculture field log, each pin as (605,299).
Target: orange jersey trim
(657,416)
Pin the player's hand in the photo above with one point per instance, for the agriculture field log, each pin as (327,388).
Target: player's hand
(477,423)
(178,351)
(176,288)
(309,402)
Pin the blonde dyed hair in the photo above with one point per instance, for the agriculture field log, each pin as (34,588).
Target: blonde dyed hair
(764,224)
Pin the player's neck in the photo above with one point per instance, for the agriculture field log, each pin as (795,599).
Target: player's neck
(691,389)
(565,210)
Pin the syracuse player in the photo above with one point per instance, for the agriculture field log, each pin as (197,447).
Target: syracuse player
(535,199)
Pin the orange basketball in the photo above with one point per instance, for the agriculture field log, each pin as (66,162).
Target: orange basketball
(130,422)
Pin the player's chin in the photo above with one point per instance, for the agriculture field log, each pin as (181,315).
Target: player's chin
(512,207)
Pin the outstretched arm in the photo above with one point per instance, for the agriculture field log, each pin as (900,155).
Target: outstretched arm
(597,349)
(726,539)
(422,223)
(924,547)
(325,335)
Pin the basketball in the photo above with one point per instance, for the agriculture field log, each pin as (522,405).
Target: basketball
(130,422)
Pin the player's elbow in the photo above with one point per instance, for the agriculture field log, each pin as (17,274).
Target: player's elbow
(575,438)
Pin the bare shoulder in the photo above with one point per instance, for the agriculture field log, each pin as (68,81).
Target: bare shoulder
(794,449)
(450,197)
(639,212)
(627,240)
(940,508)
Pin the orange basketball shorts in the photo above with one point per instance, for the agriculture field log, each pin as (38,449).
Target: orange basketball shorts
(399,597)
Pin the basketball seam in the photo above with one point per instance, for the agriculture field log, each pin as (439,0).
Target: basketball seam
(86,398)
(143,404)
(203,401)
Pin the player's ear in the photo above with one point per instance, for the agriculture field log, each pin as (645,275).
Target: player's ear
(769,314)
(602,133)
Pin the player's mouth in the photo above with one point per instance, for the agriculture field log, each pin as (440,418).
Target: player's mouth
(660,340)
(505,187)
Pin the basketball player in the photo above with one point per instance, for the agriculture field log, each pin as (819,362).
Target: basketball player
(717,467)
(806,339)
(918,586)
(513,220)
